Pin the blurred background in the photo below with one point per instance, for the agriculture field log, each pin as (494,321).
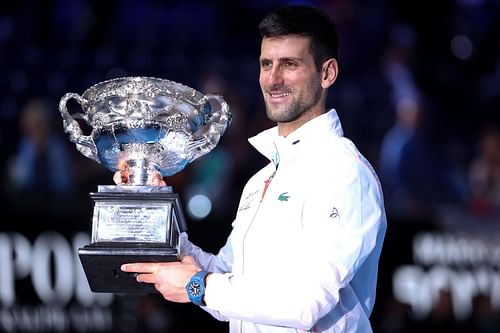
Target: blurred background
(418,92)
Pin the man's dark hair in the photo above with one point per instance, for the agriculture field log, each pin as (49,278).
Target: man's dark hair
(305,21)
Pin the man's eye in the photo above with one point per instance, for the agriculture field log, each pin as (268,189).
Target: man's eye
(265,65)
(290,64)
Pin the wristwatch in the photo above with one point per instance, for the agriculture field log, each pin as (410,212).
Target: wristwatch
(195,288)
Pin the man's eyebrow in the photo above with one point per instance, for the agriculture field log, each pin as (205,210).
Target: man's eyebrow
(283,59)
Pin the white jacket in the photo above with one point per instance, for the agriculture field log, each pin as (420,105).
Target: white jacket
(304,256)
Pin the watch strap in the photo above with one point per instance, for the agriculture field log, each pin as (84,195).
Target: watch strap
(195,288)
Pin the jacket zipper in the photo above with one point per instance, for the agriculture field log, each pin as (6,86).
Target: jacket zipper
(267,182)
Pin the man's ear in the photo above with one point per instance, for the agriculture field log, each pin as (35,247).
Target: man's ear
(329,73)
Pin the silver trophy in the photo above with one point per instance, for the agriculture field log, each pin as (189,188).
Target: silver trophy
(143,126)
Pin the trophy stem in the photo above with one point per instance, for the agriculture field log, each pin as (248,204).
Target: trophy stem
(139,171)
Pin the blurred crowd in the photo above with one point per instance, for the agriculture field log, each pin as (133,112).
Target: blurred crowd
(418,92)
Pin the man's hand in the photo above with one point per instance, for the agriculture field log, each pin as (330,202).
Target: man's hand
(169,278)
(154,178)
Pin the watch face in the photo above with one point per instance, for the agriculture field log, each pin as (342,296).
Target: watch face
(195,288)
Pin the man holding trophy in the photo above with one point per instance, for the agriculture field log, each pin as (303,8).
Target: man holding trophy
(303,253)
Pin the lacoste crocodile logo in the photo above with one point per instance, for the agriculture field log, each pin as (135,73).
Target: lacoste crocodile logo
(283,196)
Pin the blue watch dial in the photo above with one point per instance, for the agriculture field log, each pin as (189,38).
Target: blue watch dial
(195,288)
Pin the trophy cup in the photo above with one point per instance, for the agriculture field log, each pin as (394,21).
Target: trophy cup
(144,126)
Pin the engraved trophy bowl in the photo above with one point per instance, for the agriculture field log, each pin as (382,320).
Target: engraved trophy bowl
(141,125)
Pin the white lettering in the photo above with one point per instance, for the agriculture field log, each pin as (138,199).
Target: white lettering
(433,248)
(463,289)
(91,319)
(56,271)
(15,264)
(421,289)
(57,277)
(6,321)
(22,255)
(495,291)
(7,290)
(43,318)
(50,245)
(410,287)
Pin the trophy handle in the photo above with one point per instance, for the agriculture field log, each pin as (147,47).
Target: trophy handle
(221,116)
(84,143)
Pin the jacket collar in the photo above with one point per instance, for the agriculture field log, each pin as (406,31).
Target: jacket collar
(275,147)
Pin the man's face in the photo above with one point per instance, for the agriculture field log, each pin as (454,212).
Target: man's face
(289,79)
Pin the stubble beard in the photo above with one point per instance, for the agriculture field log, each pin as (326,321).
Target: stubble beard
(292,111)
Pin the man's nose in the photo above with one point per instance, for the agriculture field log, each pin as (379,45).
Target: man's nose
(275,76)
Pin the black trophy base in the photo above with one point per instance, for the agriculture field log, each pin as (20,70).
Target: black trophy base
(101,263)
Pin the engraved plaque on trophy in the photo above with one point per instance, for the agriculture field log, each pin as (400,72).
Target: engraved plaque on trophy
(143,126)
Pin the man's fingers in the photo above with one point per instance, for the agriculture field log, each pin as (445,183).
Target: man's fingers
(188,259)
(117,178)
(157,180)
(146,278)
(121,177)
(145,271)
(139,267)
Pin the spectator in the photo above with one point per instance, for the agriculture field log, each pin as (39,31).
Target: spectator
(41,171)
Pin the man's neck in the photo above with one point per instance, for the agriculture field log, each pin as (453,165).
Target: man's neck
(284,129)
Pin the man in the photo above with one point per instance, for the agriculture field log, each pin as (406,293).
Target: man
(304,249)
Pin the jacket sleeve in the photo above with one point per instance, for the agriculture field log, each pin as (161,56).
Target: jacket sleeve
(220,263)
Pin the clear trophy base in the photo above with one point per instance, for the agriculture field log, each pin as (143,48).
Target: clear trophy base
(130,224)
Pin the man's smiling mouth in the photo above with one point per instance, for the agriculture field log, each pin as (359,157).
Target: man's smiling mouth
(279,95)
